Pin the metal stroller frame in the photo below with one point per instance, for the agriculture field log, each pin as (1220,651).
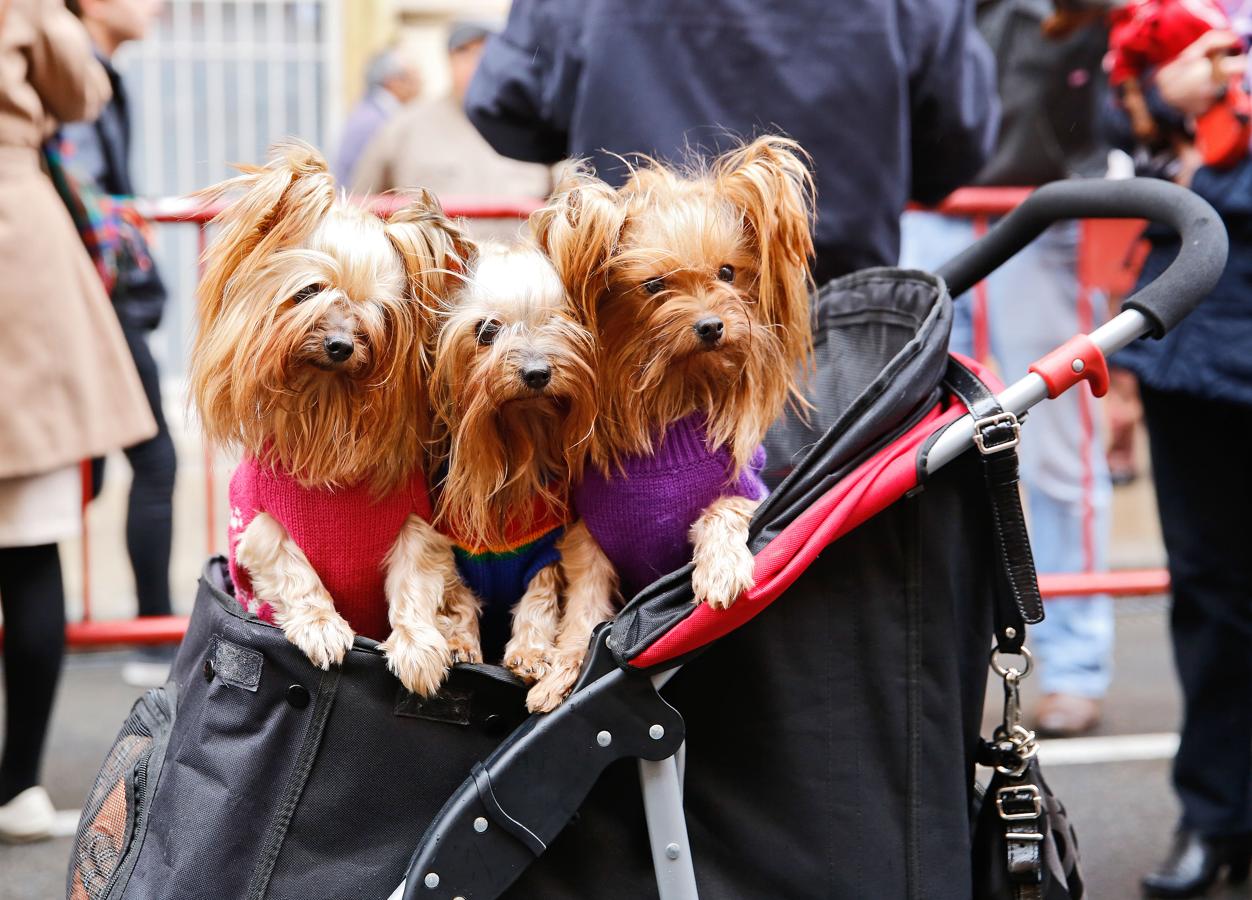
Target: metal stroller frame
(476,847)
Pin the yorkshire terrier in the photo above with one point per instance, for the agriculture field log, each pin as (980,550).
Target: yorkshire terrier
(311,357)
(514,394)
(697,283)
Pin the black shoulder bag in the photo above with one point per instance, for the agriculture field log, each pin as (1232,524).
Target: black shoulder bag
(1023,845)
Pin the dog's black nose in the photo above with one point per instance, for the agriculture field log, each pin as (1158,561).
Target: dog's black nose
(709,330)
(338,347)
(536,375)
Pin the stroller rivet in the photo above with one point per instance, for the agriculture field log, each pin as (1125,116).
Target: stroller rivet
(1078,365)
(480,824)
(656,732)
(431,880)
(672,851)
(604,738)
(298,696)
(1010,633)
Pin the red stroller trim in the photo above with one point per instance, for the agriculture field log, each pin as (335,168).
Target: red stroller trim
(866,491)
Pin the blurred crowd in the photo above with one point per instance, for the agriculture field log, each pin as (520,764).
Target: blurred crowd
(920,99)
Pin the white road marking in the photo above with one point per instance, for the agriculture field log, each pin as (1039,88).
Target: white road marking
(66,823)
(1116,748)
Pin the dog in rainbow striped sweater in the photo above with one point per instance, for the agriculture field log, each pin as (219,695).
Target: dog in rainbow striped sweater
(514,395)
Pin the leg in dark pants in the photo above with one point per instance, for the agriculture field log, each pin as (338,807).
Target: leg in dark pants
(150,514)
(33,603)
(1199,459)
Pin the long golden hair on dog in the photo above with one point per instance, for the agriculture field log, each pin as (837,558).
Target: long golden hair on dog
(293,267)
(514,395)
(726,244)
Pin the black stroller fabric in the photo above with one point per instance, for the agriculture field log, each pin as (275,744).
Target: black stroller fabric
(279,780)
(830,741)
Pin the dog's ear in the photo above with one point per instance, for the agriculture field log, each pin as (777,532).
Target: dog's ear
(769,181)
(436,251)
(281,202)
(578,230)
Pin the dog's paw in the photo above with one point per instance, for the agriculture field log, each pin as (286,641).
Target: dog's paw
(550,691)
(719,582)
(464,649)
(420,658)
(528,658)
(323,636)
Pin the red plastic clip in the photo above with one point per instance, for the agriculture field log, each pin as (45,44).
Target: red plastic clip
(1078,359)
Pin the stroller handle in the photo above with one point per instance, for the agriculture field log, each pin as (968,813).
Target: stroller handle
(1164,302)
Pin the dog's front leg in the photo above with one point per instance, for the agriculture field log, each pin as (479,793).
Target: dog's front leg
(590,585)
(418,567)
(723,563)
(458,620)
(283,577)
(536,618)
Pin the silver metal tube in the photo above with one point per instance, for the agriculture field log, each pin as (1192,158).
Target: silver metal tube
(662,678)
(1127,326)
(667,830)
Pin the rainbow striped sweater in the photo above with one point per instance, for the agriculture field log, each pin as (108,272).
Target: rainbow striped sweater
(500,573)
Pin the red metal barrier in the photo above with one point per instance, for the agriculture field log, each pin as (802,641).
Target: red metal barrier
(1108,264)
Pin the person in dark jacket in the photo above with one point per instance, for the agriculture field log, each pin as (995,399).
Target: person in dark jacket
(1196,385)
(99,154)
(895,101)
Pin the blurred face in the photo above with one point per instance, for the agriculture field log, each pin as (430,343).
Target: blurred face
(118,21)
(405,85)
(464,61)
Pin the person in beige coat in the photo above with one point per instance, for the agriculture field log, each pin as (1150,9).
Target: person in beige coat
(434,146)
(68,387)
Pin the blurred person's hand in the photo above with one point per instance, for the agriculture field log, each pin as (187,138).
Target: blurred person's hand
(1189,161)
(1188,83)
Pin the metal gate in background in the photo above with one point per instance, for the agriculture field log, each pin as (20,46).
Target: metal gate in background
(215,83)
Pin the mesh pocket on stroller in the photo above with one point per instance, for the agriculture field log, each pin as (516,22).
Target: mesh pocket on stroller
(115,811)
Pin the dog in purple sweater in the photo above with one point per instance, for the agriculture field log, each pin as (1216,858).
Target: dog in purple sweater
(696,284)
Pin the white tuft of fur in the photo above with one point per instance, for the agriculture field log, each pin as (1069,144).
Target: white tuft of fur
(283,577)
(418,566)
(590,589)
(536,618)
(724,567)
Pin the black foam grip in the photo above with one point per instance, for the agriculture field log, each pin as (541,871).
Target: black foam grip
(1168,299)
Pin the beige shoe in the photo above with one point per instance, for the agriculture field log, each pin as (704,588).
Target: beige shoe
(27,817)
(1066,715)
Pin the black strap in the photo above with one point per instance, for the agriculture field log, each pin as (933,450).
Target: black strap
(276,833)
(996,434)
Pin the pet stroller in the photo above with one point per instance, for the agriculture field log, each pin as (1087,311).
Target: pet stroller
(817,739)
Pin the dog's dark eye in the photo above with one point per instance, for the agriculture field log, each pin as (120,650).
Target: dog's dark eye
(487,331)
(726,273)
(654,286)
(306,292)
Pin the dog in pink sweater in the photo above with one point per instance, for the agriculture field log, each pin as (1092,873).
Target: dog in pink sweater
(311,358)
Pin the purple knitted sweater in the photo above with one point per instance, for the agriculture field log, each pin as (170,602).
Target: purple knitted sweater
(640,516)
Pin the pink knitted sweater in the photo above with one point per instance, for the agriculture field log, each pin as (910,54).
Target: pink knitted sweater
(345,533)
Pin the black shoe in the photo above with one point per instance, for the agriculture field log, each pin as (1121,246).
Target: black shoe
(1195,862)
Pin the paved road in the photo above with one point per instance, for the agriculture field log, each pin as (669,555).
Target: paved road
(1123,810)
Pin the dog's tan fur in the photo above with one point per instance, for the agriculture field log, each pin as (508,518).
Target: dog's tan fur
(508,444)
(293,263)
(650,260)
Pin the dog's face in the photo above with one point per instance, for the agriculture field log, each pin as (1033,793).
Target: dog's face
(680,320)
(699,293)
(514,389)
(314,318)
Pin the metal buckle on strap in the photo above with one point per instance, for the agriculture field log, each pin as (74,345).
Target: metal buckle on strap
(983,428)
(1014,797)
